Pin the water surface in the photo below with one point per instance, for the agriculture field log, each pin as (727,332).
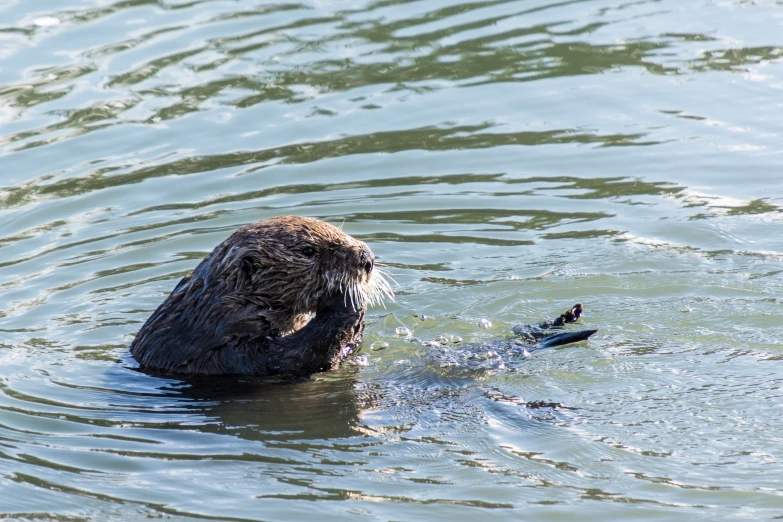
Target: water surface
(506,159)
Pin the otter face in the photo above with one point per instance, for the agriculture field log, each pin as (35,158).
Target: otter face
(294,263)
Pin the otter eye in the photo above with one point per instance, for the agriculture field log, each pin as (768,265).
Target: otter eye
(308,251)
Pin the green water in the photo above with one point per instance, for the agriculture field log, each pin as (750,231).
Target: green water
(506,159)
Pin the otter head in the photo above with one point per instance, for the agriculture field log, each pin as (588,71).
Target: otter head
(287,265)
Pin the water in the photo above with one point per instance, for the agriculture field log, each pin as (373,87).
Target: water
(506,159)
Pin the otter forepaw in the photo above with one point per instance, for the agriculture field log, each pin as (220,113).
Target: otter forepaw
(340,303)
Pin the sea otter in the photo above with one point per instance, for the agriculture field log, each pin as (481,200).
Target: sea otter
(248,307)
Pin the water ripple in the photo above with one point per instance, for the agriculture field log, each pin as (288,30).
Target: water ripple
(505,159)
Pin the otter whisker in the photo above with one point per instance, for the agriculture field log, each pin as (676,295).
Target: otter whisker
(362,295)
(380,281)
(381,269)
(378,288)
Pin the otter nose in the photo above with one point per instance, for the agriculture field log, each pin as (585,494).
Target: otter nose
(367,261)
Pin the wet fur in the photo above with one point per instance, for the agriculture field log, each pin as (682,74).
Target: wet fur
(247,307)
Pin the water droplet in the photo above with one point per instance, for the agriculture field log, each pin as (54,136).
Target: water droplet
(456,339)
(379,345)
(484,323)
(361,360)
(402,331)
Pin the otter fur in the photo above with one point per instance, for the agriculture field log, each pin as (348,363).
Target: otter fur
(248,307)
